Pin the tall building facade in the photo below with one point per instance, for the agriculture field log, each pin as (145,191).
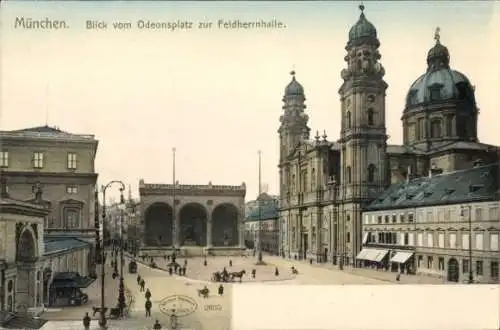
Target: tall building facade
(61,165)
(325,186)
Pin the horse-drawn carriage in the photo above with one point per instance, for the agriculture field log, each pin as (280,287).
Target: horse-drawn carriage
(225,276)
(132,267)
(203,292)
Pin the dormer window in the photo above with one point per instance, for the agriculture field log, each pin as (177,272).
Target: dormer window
(412,97)
(435,92)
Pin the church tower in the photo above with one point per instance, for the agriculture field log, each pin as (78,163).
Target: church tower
(293,129)
(363,135)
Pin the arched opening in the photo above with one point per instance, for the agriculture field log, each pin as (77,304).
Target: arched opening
(26,247)
(225,225)
(371,118)
(453,270)
(348,120)
(371,173)
(193,222)
(436,128)
(158,225)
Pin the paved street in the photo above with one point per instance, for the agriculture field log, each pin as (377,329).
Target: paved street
(163,285)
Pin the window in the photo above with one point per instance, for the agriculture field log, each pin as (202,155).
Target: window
(494,270)
(371,173)
(411,239)
(493,214)
(494,242)
(479,268)
(420,129)
(313,179)
(430,262)
(348,174)
(371,119)
(430,240)
(479,241)
(435,93)
(420,239)
(441,240)
(411,132)
(465,241)
(430,217)
(440,215)
(394,218)
(402,218)
(348,119)
(379,219)
(71,218)
(479,214)
(386,219)
(419,261)
(436,128)
(420,217)
(4,159)
(71,189)
(441,263)
(465,266)
(348,237)
(38,159)
(453,241)
(410,217)
(71,161)
(406,239)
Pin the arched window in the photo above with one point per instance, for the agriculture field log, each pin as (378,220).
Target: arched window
(348,174)
(371,173)
(348,119)
(371,118)
(436,128)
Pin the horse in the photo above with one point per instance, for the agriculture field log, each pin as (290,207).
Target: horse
(203,292)
(239,275)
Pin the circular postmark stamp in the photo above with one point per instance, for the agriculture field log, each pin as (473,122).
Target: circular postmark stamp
(178,305)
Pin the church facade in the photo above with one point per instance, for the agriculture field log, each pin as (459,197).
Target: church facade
(325,186)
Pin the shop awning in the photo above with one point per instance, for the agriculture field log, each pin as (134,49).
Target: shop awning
(372,254)
(401,257)
(71,280)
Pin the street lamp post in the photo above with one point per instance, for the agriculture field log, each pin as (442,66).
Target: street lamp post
(102,319)
(469,221)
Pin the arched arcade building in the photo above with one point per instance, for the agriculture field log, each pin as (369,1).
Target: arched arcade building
(195,219)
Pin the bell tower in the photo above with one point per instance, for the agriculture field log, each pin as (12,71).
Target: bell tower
(363,134)
(292,130)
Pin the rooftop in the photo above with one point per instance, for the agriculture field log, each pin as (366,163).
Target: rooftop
(46,132)
(57,245)
(475,184)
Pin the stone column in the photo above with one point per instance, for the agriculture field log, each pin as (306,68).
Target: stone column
(241,228)
(209,229)
(176,228)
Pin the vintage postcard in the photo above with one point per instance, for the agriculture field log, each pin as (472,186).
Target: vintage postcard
(249,165)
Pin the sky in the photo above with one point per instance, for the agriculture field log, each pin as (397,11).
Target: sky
(215,94)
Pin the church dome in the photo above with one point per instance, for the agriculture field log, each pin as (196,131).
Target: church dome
(439,83)
(294,87)
(362,30)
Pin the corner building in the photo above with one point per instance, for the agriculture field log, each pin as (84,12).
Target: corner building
(325,186)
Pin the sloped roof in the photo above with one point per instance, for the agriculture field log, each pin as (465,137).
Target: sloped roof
(268,211)
(475,184)
(46,132)
(57,245)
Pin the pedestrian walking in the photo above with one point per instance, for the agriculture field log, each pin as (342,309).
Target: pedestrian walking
(138,279)
(143,284)
(86,321)
(157,325)
(398,277)
(276,272)
(205,262)
(230,263)
(185,262)
(168,257)
(170,271)
(221,290)
(147,295)
(164,258)
(254,272)
(148,305)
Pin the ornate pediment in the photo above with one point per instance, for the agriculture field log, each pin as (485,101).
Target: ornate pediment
(302,148)
(72,202)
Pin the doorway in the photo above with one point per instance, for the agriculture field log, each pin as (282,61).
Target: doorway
(453,270)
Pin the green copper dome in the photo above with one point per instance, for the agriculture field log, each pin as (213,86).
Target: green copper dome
(363,30)
(294,87)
